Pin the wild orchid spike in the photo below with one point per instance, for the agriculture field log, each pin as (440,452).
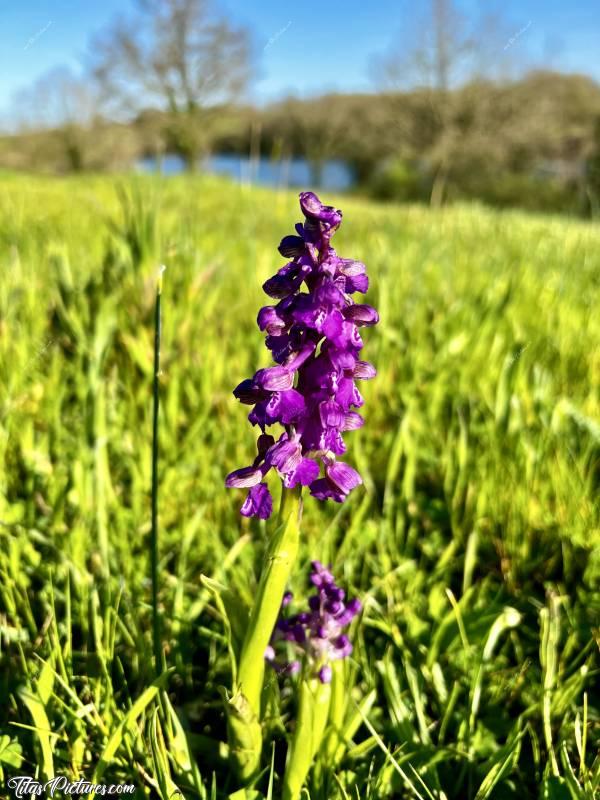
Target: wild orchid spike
(314,339)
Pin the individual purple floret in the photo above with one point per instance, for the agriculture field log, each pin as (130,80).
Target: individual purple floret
(314,339)
(317,633)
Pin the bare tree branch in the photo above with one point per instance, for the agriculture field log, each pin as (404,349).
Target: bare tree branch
(176,55)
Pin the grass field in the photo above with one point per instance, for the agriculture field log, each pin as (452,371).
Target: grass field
(474,544)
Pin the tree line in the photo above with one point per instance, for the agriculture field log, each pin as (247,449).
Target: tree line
(452,118)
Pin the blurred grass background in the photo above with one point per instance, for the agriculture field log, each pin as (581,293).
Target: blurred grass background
(474,543)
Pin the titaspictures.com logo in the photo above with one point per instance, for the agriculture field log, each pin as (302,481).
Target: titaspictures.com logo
(60,786)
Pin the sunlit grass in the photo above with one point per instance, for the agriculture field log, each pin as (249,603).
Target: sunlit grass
(474,544)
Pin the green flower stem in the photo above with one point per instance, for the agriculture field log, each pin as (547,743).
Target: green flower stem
(280,557)
(337,711)
(333,745)
(313,712)
(245,736)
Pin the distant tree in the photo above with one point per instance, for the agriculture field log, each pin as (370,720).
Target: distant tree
(449,63)
(179,56)
(593,173)
(312,129)
(59,122)
(351,127)
(64,103)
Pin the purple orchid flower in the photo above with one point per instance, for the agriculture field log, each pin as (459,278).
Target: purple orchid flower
(316,634)
(314,339)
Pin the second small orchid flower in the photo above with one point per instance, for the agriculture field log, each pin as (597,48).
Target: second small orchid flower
(318,634)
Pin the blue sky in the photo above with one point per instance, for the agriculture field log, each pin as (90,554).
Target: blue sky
(303,47)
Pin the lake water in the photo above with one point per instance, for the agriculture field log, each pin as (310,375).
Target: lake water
(335,176)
